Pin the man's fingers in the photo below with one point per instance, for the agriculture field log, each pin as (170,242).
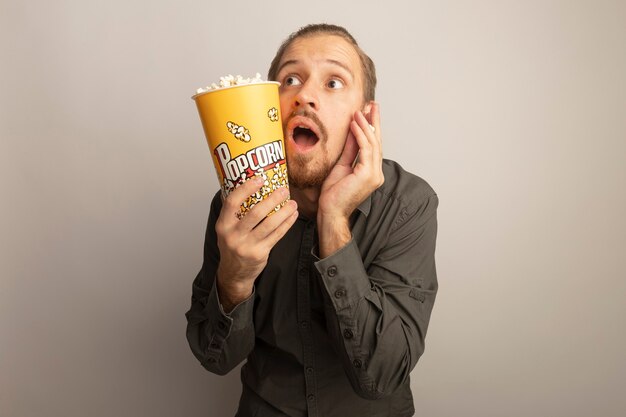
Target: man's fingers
(374,117)
(241,236)
(256,214)
(363,138)
(275,220)
(371,136)
(369,130)
(370,160)
(350,150)
(281,230)
(374,120)
(241,193)
(364,144)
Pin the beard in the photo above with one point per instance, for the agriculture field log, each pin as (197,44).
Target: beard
(305,173)
(309,170)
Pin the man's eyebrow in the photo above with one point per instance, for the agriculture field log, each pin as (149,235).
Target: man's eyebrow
(330,61)
(288,62)
(342,65)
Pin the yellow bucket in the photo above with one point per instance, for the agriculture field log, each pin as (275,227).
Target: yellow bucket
(243,128)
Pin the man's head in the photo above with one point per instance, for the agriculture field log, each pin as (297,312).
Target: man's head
(325,78)
(367,65)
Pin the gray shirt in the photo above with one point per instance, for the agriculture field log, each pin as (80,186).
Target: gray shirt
(329,337)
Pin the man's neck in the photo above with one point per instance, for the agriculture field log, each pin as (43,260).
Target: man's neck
(307,199)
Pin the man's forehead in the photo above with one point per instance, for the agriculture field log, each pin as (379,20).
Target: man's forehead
(329,49)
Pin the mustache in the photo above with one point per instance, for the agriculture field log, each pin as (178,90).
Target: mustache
(313,117)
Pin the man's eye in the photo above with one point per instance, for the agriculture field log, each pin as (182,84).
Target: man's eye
(334,84)
(291,80)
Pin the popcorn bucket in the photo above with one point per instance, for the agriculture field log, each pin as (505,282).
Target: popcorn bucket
(243,128)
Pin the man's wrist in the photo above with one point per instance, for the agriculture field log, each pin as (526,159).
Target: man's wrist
(334,233)
(232,294)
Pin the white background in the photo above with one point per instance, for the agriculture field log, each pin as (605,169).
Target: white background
(514,111)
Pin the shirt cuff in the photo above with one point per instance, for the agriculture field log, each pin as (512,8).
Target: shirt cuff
(239,318)
(344,276)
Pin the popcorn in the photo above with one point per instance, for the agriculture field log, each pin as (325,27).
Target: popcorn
(240,132)
(277,178)
(273,114)
(230,81)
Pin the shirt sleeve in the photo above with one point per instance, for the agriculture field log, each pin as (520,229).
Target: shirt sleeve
(377,315)
(218,340)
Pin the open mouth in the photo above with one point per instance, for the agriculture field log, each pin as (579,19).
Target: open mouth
(304,137)
(304,133)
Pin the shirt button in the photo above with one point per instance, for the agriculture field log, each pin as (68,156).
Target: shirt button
(309,370)
(340,293)
(332,271)
(304,324)
(311,397)
(357,363)
(348,334)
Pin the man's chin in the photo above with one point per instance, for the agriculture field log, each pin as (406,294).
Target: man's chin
(302,175)
(305,183)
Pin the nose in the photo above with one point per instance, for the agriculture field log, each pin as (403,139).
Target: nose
(307,97)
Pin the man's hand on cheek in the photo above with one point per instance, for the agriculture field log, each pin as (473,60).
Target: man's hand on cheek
(350,182)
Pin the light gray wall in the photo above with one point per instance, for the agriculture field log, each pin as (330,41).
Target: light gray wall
(515,112)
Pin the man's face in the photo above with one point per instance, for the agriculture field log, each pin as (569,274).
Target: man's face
(321,88)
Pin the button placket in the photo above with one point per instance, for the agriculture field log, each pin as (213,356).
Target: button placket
(303,289)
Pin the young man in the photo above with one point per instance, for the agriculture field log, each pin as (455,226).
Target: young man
(328,299)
